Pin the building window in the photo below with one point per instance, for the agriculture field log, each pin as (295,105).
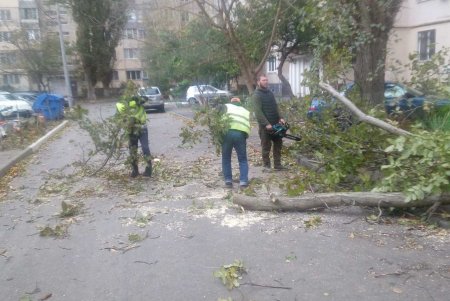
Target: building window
(142,33)
(426,44)
(272,64)
(33,34)
(5,15)
(131,53)
(184,17)
(5,36)
(115,75)
(132,16)
(11,79)
(28,13)
(7,58)
(134,74)
(131,33)
(144,75)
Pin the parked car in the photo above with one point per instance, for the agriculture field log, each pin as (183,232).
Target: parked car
(195,93)
(153,98)
(13,106)
(398,98)
(29,96)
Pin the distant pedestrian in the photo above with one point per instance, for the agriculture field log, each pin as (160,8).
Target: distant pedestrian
(134,117)
(267,114)
(236,137)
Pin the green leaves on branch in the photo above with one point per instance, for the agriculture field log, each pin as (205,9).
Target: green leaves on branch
(230,274)
(419,165)
(208,122)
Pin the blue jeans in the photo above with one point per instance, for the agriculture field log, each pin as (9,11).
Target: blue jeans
(237,140)
(133,145)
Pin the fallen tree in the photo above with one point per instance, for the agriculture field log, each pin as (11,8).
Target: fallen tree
(325,200)
(368,199)
(361,115)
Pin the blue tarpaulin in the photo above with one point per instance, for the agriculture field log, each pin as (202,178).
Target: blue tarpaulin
(49,105)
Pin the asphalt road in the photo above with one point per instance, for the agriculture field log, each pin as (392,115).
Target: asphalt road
(163,238)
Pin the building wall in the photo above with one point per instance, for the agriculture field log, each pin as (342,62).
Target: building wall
(414,17)
(45,22)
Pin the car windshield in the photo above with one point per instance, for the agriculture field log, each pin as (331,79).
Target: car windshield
(151,91)
(209,89)
(8,97)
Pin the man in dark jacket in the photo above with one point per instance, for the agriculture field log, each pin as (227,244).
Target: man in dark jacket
(267,114)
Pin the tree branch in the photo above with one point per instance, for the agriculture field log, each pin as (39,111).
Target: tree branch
(361,115)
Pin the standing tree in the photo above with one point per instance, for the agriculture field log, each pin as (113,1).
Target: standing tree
(100,25)
(197,53)
(249,28)
(359,30)
(39,58)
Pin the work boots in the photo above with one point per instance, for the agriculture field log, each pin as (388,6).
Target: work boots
(148,169)
(134,171)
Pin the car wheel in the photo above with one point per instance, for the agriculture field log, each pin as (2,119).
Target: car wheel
(162,109)
(192,101)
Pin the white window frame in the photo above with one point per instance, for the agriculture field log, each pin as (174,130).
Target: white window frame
(33,34)
(5,36)
(426,44)
(7,58)
(5,15)
(28,13)
(134,74)
(131,33)
(272,64)
(11,79)
(131,53)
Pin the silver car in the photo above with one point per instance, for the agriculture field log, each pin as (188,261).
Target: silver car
(153,98)
(14,106)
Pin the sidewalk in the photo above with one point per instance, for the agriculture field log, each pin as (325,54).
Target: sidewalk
(9,158)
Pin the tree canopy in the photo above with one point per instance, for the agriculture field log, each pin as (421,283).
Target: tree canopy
(100,25)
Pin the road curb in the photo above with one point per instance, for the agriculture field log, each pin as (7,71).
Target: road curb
(4,167)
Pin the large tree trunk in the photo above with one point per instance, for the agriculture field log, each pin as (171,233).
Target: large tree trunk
(374,21)
(286,86)
(324,200)
(90,88)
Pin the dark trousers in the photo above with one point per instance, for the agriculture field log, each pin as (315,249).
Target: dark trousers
(134,140)
(266,145)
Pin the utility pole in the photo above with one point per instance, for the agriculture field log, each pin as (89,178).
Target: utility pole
(63,55)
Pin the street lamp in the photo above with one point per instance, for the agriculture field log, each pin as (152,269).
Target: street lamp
(63,56)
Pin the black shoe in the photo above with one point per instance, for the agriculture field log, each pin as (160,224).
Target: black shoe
(280,167)
(228,185)
(134,173)
(243,186)
(148,171)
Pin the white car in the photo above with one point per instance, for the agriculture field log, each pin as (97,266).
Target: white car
(194,94)
(13,106)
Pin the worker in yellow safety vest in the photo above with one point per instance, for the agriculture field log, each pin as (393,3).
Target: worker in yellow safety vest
(236,137)
(135,120)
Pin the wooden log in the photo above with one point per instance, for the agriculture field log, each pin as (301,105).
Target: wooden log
(324,200)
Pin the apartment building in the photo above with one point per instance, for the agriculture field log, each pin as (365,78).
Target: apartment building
(421,26)
(34,18)
(143,15)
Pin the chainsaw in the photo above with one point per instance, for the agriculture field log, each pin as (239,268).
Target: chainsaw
(279,130)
